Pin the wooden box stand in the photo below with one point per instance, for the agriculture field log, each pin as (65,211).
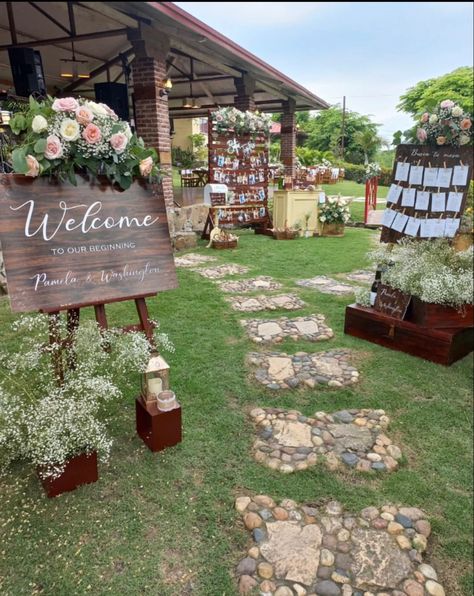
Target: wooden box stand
(157,429)
(79,470)
(443,346)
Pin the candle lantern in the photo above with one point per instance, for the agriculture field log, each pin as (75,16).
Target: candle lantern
(155,379)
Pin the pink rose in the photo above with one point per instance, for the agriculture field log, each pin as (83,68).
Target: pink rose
(146,165)
(119,141)
(33,166)
(92,134)
(425,117)
(54,149)
(465,124)
(84,115)
(65,104)
(421,135)
(447,103)
(109,111)
(441,140)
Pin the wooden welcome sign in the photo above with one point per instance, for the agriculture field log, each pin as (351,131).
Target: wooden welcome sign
(66,247)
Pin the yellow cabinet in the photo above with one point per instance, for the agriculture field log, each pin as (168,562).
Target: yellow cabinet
(291,207)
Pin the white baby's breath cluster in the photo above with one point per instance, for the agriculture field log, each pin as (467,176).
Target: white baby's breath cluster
(231,118)
(433,271)
(362,296)
(48,424)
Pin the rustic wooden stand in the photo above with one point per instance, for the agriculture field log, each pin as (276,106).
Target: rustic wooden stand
(443,346)
(79,470)
(157,429)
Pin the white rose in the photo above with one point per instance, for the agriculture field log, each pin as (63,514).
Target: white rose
(69,129)
(464,139)
(457,111)
(433,119)
(39,124)
(127,131)
(96,108)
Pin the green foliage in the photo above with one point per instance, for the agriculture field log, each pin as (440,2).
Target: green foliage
(275,151)
(182,158)
(313,157)
(324,134)
(385,158)
(357,173)
(457,85)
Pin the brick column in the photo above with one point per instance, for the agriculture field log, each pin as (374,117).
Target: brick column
(245,87)
(151,110)
(288,138)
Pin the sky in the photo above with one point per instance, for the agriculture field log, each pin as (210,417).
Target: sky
(369,52)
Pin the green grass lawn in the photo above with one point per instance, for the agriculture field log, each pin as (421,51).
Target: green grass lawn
(349,188)
(164,524)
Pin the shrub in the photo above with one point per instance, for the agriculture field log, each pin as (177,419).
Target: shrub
(357,174)
(182,158)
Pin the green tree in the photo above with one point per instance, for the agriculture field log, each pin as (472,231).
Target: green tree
(457,85)
(368,141)
(325,129)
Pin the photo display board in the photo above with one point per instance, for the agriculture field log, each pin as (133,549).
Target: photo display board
(66,246)
(240,161)
(428,193)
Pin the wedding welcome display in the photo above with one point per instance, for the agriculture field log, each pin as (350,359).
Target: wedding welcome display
(238,158)
(82,222)
(424,301)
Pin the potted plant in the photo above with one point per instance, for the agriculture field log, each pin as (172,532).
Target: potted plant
(333,214)
(61,428)
(437,276)
(64,136)
(287,233)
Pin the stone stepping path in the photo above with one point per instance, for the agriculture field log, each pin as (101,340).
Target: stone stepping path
(249,285)
(326,285)
(361,276)
(192,259)
(262,302)
(277,370)
(221,271)
(311,328)
(288,441)
(309,550)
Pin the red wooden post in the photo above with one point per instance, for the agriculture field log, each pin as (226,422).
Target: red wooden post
(371,186)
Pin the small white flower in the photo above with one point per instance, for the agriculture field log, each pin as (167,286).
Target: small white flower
(464,139)
(39,124)
(457,111)
(69,129)
(96,108)
(433,119)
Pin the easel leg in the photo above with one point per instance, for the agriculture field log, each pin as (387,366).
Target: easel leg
(56,344)
(207,228)
(147,326)
(100,316)
(73,315)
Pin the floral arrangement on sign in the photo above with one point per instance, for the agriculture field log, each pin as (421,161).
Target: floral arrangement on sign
(449,124)
(334,210)
(232,119)
(432,271)
(372,170)
(62,135)
(46,423)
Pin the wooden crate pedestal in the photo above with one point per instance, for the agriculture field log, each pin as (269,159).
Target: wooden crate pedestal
(443,346)
(333,229)
(157,429)
(79,470)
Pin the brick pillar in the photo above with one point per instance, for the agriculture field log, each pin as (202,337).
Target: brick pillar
(288,138)
(245,87)
(151,110)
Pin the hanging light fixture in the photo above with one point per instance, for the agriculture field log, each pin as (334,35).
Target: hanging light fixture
(72,68)
(190,102)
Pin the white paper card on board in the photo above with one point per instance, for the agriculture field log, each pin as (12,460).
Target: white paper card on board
(399,222)
(452,226)
(416,175)
(388,217)
(431,177)
(408,197)
(438,202)
(427,228)
(394,193)
(401,173)
(460,175)
(412,226)
(422,200)
(444,177)
(454,202)
(439,228)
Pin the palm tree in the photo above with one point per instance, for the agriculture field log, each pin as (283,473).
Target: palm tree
(368,141)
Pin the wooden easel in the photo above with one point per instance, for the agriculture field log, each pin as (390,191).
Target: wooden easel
(73,317)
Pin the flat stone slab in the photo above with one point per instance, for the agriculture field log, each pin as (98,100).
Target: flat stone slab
(326,285)
(243,286)
(361,276)
(307,549)
(192,259)
(262,302)
(277,370)
(310,328)
(221,271)
(289,442)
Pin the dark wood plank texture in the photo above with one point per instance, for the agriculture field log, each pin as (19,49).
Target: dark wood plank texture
(391,302)
(83,266)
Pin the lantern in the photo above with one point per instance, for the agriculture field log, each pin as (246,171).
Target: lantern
(155,380)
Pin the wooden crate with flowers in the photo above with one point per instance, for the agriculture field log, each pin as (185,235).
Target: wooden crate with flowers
(334,213)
